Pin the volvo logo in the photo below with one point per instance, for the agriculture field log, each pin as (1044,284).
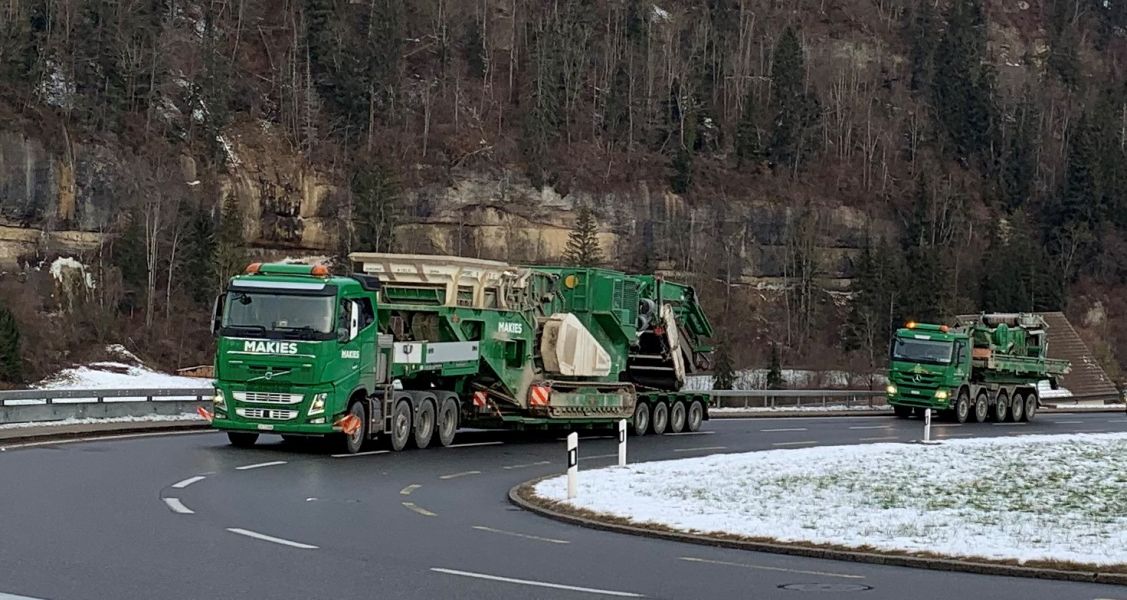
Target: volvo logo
(270,375)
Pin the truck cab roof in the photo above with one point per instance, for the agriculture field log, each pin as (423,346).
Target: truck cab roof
(300,277)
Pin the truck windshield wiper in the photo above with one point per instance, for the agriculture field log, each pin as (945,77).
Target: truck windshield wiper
(305,330)
(257,328)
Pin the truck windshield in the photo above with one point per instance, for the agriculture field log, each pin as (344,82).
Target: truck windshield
(269,313)
(922,351)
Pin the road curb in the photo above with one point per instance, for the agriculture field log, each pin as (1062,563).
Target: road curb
(521,496)
(40,435)
(886,413)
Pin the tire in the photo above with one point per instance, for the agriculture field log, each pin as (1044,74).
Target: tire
(400,425)
(351,444)
(1030,406)
(447,422)
(962,409)
(677,417)
(696,415)
(424,424)
(660,418)
(241,439)
(902,412)
(1001,408)
(1017,409)
(981,407)
(641,420)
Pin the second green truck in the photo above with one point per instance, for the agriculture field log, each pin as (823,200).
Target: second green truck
(413,347)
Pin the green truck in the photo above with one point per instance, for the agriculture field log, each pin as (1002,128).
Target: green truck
(983,368)
(412,347)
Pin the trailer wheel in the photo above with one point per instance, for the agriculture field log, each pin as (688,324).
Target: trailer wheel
(1017,409)
(351,444)
(677,417)
(447,422)
(1030,406)
(696,415)
(661,418)
(241,439)
(1001,407)
(981,406)
(424,424)
(641,421)
(962,409)
(400,425)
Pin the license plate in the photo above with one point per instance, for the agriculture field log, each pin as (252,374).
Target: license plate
(266,427)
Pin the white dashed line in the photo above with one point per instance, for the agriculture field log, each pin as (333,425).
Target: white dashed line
(520,535)
(457,475)
(372,453)
(554,586)
(416,508)
(535,464)
(783,429)
(875,439)
(794,443)
(407,490)
(698,449)
(477,444)
(1068,422)
(1007,424)
(4,596)
(872,427)
(187,482)
(260,465)
(270,538)
(767,568)
(691,433)
(615,455)
(177,506)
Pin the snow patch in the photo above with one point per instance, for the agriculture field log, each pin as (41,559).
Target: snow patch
(57,89)
(756,379)
(61,266)
(229,150)
(144,419)
(660,14)
(105,375)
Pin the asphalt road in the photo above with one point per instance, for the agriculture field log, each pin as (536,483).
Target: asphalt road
(187,516)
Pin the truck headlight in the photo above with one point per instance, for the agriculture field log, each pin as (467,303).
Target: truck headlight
(892,390)
(941,395)
(318,405)
(219,402)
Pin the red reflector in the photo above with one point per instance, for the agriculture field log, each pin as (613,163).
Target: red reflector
(350,424)
(202,412)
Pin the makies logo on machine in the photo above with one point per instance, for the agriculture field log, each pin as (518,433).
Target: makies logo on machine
(513,328)
(259,347)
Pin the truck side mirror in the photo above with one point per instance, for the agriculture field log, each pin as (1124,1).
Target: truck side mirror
(217,313)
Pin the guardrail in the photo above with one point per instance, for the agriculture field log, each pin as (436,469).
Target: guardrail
(796,398)
(24,406)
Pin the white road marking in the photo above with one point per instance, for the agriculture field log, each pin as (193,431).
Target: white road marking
(535,464)
(593,437)
(177,506)
(414,507)
(693,433)
(958,435)
(872,427)
(1068,422)
(783,429)
(272,463)
(270,538)
(554,586)
(615,455)
(456,475)
(794,443)
(520,535)
(874,439)
(101,438)
(4,596)
(477,444)
(767,568)
(947,425)
(698,449)
(407,490)
(187,482)
(373,452)
(1007,424)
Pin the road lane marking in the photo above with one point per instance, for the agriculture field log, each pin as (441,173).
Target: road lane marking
(272,463)
(1007,424)
(767,568)
(476,444)
(416,508)
(535,464)
(615,455)
(794,443)
(407,490)
(698,449)
(1069,422)
(874,439)
(371,453)
(958,435)
(102,438)
(4,596)
(594,437)
(456,475)
(783,429)
(693,433)
(177,506)
(542,584)
(872,427)
(947,425)
(270,538)
(187,482)
(520,535)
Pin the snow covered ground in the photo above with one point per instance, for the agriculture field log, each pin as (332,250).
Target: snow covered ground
(1027,498)
(127,373)
(144,419)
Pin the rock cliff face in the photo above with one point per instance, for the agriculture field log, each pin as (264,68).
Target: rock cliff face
(63,200)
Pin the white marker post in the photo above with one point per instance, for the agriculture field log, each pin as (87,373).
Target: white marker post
(622,443)
(927,426)
(572,464)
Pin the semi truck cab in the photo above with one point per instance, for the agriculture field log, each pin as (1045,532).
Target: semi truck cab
(928,364)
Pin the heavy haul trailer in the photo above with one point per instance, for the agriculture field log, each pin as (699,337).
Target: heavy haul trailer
(415,346)
(986,367)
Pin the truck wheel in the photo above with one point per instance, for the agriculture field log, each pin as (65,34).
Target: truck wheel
(241,439)
(400,425)
(962,409)
(424,424)
(902,412)
(1017,409)
(1030,406)
(981,407)
(696,415)
(661,418)
(1001,408)
(641,418)
(447,422)
(351,444)
(677,417)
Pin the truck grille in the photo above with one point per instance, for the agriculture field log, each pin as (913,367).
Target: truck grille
(268,398)
(270,414)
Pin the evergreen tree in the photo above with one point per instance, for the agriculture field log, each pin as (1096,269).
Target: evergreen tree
(796,111)
(922,41)
(775,370)
(962,89)
(375,210)
(473,49)
(583,248)
(129,253)
(1078,198)
(11,369)
(1020,166)
(200,256)
(1063,61)
(723,373)
(230,256)
(748,147)
(682,179)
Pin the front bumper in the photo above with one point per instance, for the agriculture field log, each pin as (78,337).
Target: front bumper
(273,417)
(919,398)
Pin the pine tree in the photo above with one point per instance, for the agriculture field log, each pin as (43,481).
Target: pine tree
(375,211)
(129,252)
(230,255)
(1020,166)
(199,256)
(922,40)
(723,373)
(748,147)
(962,89)
(682,179)
(796,111)
(472,48)
(583,248)
(775,370)
(11,369)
